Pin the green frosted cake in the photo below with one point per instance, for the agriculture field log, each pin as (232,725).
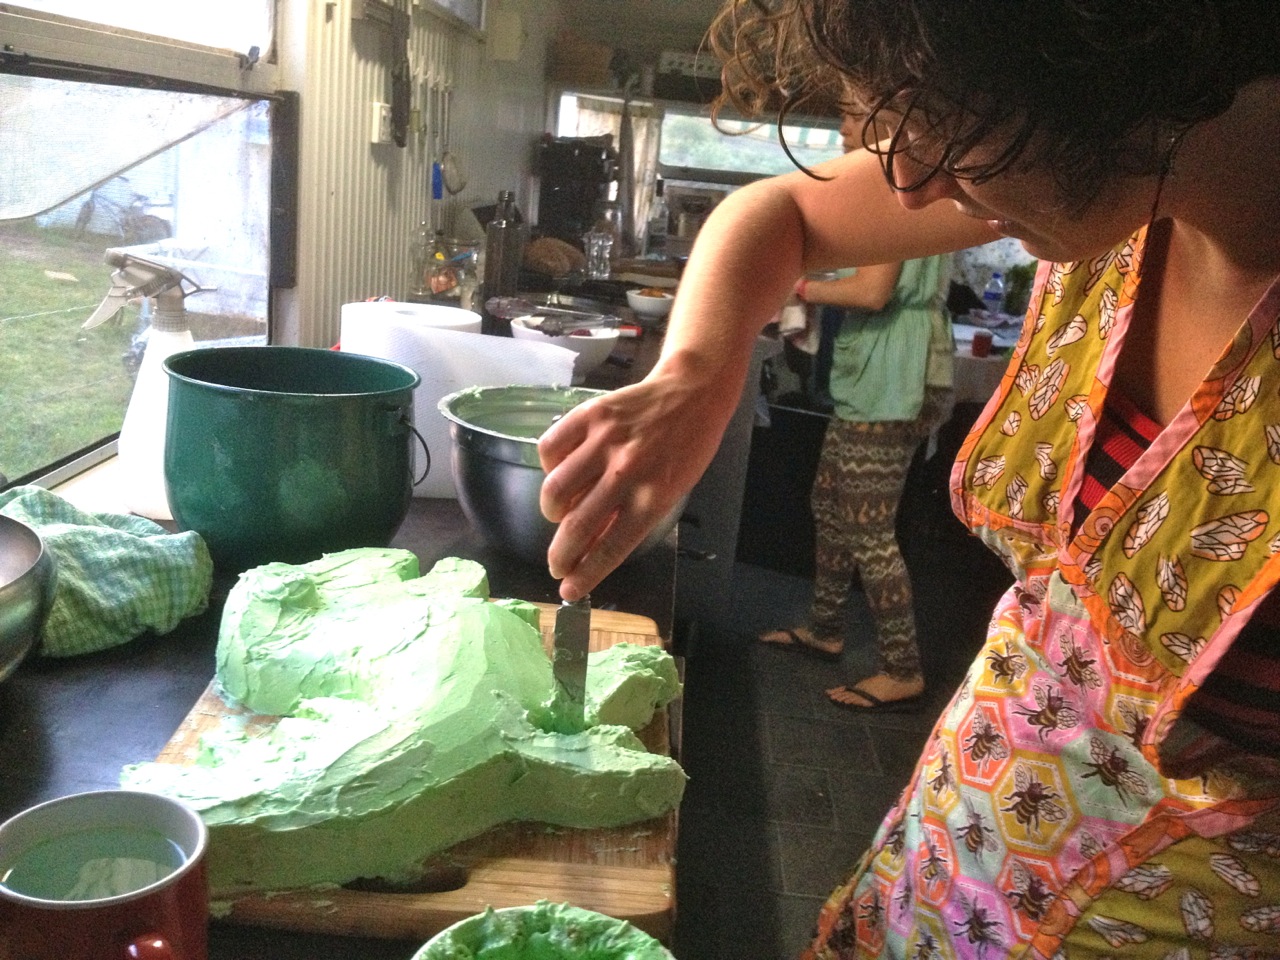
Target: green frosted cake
(414,714)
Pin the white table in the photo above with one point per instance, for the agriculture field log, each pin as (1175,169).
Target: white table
(978,377)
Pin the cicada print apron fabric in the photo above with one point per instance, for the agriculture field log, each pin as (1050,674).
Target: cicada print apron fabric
(1063,807)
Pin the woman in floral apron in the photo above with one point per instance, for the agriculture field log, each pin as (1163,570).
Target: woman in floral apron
(1066,789)
(1106,781)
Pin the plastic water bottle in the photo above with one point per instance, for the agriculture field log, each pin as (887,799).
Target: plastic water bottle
(993,294)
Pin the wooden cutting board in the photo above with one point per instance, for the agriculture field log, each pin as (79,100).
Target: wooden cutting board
(625,872)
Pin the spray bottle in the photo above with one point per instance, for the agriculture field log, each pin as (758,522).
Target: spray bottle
(140,448)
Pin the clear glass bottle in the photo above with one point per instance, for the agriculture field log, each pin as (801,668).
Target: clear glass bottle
(609,220)
(452,269)
(503,249)
(598,244)
(422,249)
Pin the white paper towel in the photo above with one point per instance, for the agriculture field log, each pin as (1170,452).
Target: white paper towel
(358,318)
(447,359)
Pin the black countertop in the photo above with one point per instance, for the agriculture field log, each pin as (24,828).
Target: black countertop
(70,725)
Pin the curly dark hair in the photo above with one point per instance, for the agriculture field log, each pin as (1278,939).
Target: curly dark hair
(1091,89)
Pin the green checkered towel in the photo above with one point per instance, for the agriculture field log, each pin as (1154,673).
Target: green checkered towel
(118,575)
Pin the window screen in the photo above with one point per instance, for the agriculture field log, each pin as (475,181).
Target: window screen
(177,178)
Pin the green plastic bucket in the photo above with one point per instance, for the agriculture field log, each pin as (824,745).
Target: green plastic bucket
(288,453)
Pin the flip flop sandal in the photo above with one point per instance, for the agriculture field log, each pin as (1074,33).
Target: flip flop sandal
(799,645)
(876,705)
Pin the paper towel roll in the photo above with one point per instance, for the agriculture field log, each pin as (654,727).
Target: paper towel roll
(360,319)
(448,359)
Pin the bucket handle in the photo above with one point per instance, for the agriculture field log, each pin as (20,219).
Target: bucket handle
(426,470)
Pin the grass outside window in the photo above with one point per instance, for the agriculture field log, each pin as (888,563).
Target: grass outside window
(64,388)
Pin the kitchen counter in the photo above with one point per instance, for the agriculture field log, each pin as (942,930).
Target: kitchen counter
(70,725)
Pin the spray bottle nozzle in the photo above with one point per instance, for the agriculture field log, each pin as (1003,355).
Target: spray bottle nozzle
(136,277)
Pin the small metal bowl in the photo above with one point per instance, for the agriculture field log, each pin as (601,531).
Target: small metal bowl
(496,470)
(27,577)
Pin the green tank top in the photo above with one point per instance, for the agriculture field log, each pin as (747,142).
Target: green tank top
(881,358)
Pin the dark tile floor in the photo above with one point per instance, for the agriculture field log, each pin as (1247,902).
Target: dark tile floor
(785,789)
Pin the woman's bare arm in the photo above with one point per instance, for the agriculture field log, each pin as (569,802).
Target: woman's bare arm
(617,464)
(871,288)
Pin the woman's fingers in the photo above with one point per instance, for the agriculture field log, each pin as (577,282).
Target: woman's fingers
(594,539)
(572,461)
(587,513)
(562,438)
(615,466)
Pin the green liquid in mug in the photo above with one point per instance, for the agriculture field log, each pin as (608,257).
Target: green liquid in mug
(93,864)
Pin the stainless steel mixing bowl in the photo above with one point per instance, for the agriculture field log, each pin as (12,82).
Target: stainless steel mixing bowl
(494,457)
(27,577)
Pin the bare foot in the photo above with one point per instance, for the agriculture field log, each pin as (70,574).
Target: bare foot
(876,692)
(802,640)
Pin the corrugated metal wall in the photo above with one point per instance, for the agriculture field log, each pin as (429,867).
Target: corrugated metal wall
(360,203)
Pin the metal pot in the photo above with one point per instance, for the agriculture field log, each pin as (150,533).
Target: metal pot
(496,471)
(286,453)
(28,574)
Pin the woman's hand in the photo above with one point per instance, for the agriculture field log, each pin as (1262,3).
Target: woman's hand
(615,466)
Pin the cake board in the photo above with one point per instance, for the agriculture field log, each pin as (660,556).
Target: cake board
(625,872)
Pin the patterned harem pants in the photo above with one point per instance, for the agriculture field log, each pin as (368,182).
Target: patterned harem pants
(861,473)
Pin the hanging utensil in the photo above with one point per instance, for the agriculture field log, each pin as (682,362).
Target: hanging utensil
(417,107)
(455,181)
(401,76)
(436,175)
(437,178)
(437,172)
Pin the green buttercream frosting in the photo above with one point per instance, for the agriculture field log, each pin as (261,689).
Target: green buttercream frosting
(545,931)
(413,716)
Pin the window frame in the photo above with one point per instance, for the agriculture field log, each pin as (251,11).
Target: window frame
(35,41)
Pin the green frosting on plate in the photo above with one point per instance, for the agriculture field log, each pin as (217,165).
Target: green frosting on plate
(545,931)
(413,715)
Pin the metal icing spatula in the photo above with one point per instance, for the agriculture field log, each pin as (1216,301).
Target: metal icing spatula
(569,661)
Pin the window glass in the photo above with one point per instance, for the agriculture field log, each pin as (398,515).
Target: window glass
(470,12)
(165,184)
(691,146)
(229,24)
(691,143)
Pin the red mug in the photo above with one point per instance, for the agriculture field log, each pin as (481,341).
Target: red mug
(107,875)
(982,343)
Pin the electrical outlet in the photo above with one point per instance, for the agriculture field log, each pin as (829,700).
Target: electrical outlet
(381,125)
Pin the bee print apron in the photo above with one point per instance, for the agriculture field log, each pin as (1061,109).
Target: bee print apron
(1063,806)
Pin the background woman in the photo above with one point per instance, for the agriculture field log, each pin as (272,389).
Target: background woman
(884,405)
